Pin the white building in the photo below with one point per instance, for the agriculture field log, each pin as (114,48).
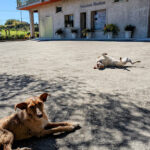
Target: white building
(92,14)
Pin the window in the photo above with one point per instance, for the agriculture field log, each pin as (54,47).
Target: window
(118,0)
(69,21)
(98,19)
(58,9)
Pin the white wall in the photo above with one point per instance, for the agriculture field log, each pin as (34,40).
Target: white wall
(133,12)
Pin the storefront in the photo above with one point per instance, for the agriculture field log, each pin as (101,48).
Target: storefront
(94,15)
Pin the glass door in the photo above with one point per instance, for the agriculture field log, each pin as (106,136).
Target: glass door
(82,23)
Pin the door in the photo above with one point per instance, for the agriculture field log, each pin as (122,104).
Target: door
(46,27)
(82,23)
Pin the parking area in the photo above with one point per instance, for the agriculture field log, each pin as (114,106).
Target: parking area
(112,105)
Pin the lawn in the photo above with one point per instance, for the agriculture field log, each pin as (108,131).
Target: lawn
(20,34)
(12,32)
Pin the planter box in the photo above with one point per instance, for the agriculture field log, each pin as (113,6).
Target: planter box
(128,34)
(109,35)
(89,35)
(59,36)
(74,35)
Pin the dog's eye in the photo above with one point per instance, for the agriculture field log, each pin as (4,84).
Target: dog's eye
(31,107)
(40,104)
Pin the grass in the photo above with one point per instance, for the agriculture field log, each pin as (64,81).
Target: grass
(21,34)
(14,33)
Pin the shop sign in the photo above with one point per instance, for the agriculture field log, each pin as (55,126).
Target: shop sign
(92,4)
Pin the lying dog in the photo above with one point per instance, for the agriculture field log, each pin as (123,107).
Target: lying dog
(31,121)
(107,61)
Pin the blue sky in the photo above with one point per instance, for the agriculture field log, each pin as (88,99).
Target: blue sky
(8,11)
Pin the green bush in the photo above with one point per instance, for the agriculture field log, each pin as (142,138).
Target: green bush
(21,36)
(12,37)
(74,30)
(59,31)
(129,28)
(2,37)
(111,28)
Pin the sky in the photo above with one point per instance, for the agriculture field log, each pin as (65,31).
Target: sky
(8,11)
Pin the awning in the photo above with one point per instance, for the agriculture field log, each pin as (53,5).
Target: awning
(32,6)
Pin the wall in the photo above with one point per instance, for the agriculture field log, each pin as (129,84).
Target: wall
(133,12)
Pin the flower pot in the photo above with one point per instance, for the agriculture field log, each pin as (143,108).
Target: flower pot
(109,35)
(88,36)
(68,25)
(74,35)
(59,36)
(128,34)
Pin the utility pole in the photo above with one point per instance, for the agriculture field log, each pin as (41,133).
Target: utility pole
(21,15)
(148,32)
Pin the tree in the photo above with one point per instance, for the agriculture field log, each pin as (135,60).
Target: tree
(11,22)
(1,27)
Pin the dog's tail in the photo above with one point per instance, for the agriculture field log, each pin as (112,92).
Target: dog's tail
(135,62)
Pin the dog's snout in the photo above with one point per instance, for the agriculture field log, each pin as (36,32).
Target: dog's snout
(39,113)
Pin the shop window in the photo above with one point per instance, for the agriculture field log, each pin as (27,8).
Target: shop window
(69,21)
(58,9)
(119,0)
(98,19)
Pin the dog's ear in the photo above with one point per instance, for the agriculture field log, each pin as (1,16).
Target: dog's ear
(43,97)
(21,106)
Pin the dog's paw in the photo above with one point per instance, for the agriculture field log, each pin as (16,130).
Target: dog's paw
(24,148)
(104,54)
(94,67)
(76,125)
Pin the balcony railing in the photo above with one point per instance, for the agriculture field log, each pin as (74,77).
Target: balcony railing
(24,3)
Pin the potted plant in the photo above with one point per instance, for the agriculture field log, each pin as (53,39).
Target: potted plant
(59,33)
(110,30)
(129,31)
(74,33)
(87,33)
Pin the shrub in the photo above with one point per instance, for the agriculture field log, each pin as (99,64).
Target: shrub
(129,28)
(36,34)
(21,36)
(2,37)
(111,28)
(74,31)
(59,31)
(28,33)
(86,31)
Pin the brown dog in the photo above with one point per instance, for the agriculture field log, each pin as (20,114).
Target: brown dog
(32,121)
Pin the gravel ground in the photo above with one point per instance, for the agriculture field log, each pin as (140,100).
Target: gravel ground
(112,105)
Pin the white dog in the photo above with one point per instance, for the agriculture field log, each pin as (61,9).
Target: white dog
(107,61)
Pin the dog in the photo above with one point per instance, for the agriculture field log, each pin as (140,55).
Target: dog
(31,121)
(107,61)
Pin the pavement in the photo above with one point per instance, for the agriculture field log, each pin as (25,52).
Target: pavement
(112,105)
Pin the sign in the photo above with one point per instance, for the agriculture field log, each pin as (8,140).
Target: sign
(92,4)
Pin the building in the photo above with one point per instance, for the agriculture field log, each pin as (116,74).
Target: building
(92,14)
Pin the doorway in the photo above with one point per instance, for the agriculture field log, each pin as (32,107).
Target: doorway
(82,23)
(46,27)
